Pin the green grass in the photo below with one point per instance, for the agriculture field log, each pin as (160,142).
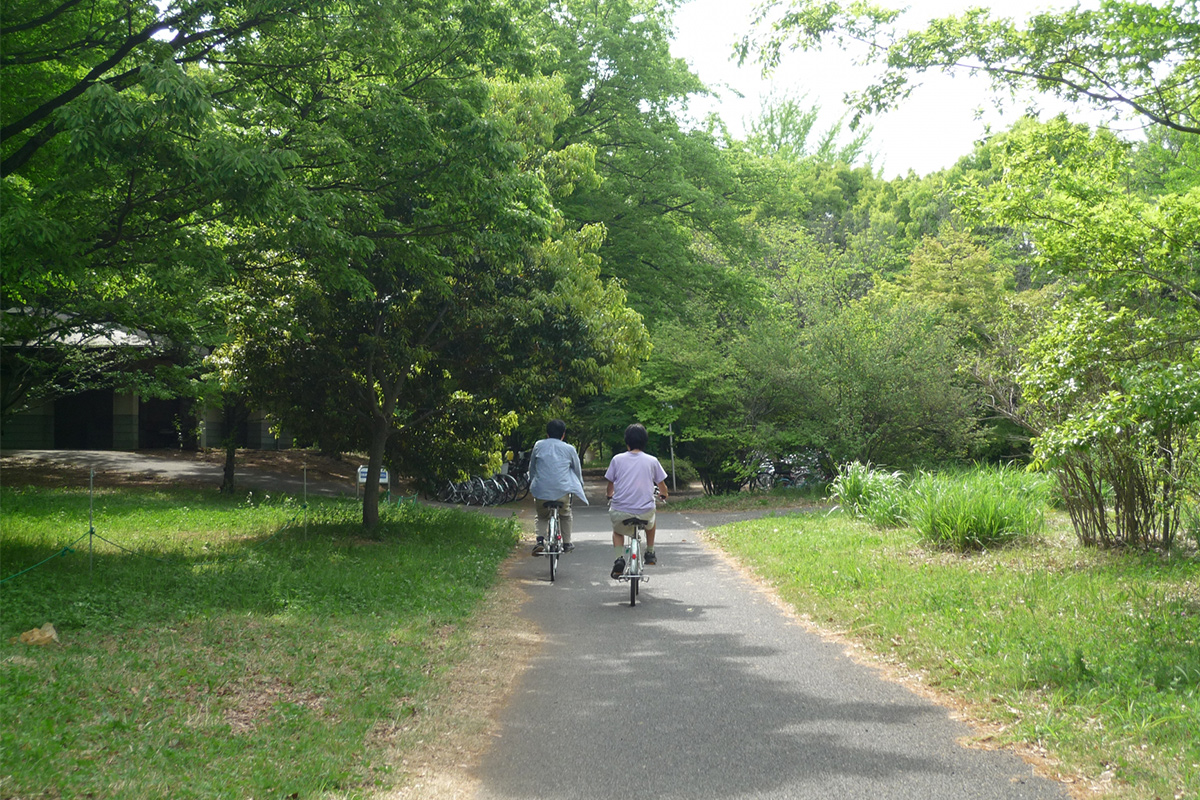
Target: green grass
(779,498)
(871,494)
(215,649)
(978,508)
(1093,655)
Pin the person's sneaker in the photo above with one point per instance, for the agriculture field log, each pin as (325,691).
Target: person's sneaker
(650,558)
(568,547)
(540,547)
(618,567)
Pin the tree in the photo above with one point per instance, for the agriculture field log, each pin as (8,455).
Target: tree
(1111,381)
(1117,400)
(784,128)
(1135,58)
(120,178)
(954,273)
(885,385)
(451,289)
(659,182)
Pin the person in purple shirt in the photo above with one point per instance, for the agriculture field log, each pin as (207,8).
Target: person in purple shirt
(632,477)
(555,474)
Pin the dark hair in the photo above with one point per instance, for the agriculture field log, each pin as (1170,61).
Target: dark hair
(636,436)
(556,429)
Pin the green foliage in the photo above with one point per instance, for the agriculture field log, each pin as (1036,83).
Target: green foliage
(659,183)
(1123,57)
(979,509)
(871,494)
(784,128)
(1119,416)
(729,389)
(971,509)
(954,273)
(883,383)
(1109,380)
(121,179)
(436,287)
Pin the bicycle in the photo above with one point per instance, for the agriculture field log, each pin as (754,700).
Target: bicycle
(553,543)
(634,550)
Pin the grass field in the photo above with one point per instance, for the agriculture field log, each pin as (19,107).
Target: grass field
(215,649)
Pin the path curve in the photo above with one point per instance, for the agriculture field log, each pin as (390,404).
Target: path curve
(709,689)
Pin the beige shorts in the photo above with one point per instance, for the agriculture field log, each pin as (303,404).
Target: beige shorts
(618,520)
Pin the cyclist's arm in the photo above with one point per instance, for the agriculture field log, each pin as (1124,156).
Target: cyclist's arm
(662,489)
(531,467)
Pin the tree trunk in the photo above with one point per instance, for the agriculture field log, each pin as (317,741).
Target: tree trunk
(233,411)
(380,430)
(228,483)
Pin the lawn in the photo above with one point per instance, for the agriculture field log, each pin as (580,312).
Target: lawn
(210,648)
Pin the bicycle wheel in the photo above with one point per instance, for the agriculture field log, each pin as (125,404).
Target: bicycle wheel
(523,482)
(635,557)
(493,492)
(510,487)
(552,546)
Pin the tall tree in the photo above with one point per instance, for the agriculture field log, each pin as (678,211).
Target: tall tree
(120,178)
(1133,58)
(426,256)
(660,182)
(1112,380)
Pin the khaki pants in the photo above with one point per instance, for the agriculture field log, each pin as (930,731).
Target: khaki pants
(564,517)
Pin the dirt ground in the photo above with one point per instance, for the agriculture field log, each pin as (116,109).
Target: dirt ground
(30,468)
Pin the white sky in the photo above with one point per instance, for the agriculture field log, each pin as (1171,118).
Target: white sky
(931,130)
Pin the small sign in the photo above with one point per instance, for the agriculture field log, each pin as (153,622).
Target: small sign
(383,476)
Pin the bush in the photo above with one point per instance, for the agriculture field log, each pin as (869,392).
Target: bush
(872,494)
(984,507)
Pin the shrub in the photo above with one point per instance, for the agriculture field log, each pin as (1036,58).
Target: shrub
(872,494)
(984,507)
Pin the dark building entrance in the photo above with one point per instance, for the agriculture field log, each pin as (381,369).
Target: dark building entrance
(166,424)
(84,421)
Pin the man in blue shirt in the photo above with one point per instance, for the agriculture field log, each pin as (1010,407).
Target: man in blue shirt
(555,474)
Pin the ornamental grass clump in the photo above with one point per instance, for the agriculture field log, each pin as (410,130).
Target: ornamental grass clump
(874,495)
(981,508)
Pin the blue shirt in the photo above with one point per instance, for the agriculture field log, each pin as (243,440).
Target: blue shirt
(554,471)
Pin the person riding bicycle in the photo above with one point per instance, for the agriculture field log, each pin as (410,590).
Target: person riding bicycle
(555,474)
(632,477)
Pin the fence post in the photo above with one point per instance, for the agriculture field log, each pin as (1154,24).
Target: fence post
(91,519)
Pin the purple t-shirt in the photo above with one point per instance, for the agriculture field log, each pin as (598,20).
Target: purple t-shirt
(634,476)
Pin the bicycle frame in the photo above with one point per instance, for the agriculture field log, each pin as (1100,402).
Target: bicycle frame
(554,540)
(635,549)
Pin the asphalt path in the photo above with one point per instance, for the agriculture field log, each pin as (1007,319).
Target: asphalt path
(708,689)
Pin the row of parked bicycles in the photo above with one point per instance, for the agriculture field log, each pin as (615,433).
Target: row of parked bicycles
(497,490)
(804,470)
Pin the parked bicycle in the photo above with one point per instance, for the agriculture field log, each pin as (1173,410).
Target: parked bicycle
(480,491)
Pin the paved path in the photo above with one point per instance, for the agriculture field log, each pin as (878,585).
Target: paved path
(165,468)
(706,689)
